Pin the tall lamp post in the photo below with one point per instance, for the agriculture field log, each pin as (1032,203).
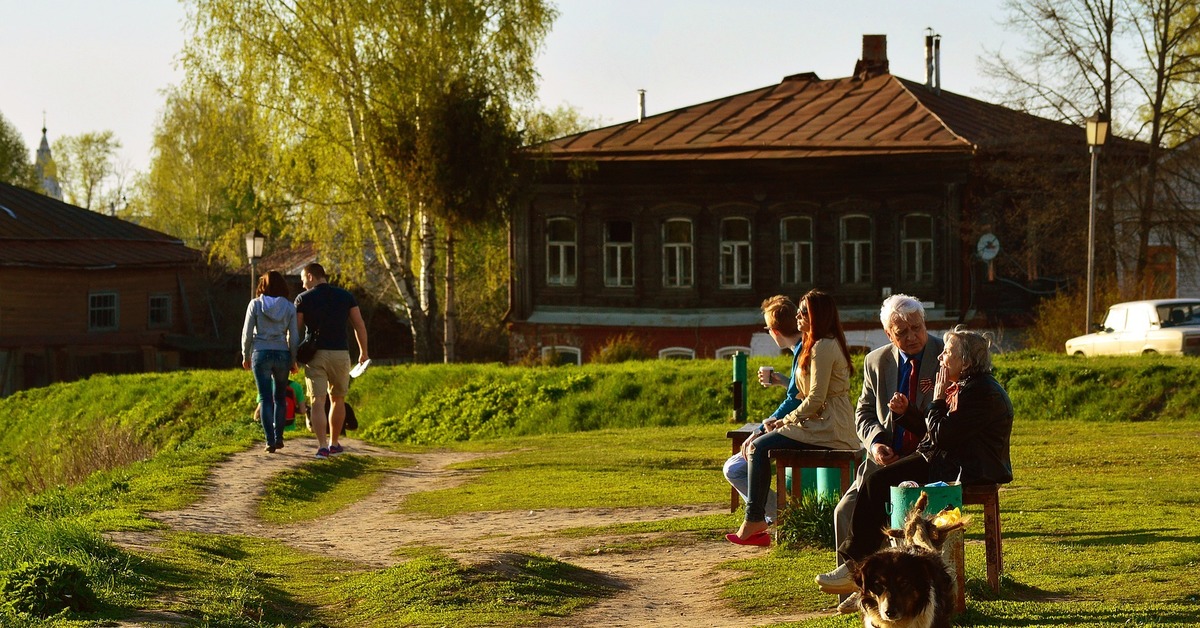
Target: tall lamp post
(1097,132)
(254,250)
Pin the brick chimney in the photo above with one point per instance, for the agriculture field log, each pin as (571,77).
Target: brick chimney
(874,59)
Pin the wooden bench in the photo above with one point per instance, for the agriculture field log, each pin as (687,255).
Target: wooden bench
(988,496)
(842,459)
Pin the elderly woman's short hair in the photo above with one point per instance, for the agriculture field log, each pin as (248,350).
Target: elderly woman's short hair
(976,350)
(900,306)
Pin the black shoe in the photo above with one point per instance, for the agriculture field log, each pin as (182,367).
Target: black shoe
(279,444)
(270,449)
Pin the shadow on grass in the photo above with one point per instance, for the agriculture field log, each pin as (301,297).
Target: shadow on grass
(1070,614)
(1104,539)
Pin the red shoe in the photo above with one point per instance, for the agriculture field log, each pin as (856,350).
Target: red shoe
(761,539)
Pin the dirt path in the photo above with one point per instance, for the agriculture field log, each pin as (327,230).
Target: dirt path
(672,585)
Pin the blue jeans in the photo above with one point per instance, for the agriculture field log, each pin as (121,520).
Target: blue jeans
(737,473)
(271,376)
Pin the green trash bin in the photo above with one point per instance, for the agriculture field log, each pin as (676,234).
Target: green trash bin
(940,497)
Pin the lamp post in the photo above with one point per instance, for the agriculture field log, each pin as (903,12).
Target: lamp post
(254,250)
(1097,132)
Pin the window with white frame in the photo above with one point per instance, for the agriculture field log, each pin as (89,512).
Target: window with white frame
(735,253)
(916,248)
(618,254)
(159,314)
(560,252)
(856,249)
(796,250)
(677,253)
(677,353)
(563,354)
(725,353)
(103,311)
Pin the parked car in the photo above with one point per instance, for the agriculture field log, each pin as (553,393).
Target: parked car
(1168,326)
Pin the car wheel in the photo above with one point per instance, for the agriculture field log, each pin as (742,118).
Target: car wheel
(1079,354)
(1149,352)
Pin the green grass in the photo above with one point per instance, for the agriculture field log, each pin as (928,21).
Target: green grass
(1100,523)
(323,487)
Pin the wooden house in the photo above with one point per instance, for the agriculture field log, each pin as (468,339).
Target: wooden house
(84,293)
(674,227)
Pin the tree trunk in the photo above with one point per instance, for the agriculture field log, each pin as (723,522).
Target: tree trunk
(450,316)
(427,349)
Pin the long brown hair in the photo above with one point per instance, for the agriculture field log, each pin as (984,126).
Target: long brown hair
(272,284)
(823,322)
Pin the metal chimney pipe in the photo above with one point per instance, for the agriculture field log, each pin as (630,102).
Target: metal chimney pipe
(929,58)
(937,64)
(641,105)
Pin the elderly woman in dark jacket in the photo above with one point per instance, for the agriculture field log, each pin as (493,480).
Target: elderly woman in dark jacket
(969,425)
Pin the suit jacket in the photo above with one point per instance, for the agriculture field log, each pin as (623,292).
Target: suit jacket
(973,439)
(881,370)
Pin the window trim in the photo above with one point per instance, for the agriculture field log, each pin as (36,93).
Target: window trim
(93,310)
(563,247)
(615,248)
(860,277)
(796,255)
(168,311)
(725,353)
(676,352)
(924,267)
(736,246)
(563,350)
(679,248)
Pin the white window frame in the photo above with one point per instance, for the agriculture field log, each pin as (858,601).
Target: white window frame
(682,254)
(916,253)
(566,272)
(671,353)
(736,256)
(563,350)
(166,309)
(96,309)
(725,353)
(796,255)
(856,255)
(617,252)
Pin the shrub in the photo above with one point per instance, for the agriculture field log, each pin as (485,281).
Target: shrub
(46,587)
(623,348)
(1061,317)
(808,522)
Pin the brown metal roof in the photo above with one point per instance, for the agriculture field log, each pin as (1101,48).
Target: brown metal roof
(804,116)
(37,230)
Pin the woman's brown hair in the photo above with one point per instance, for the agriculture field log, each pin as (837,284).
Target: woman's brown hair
(272,284)
(823,322)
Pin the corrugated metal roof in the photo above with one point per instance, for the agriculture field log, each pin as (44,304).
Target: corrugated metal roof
(37,230)
(804,116)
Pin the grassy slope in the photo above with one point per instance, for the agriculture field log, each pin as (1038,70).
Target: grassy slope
(1114,431)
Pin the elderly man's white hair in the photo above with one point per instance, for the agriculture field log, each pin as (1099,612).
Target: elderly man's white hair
(900,306)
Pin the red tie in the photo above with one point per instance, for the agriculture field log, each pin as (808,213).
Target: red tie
(909,440)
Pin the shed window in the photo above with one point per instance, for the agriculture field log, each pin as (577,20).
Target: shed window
(618,254)
(103,311)
(726,353)
(560,252)
(677,253)
(677,353)
(160,311)
(796,250)
(916,247)
(856,250)
(735,253)
(563,354)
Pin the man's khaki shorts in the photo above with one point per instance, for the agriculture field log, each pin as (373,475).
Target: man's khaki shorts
(329,370)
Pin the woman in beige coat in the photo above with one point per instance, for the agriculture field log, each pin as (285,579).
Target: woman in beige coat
(823,420)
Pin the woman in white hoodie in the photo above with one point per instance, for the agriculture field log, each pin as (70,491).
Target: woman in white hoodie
(269,341)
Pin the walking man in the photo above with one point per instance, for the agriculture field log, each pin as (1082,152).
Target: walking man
(323,310)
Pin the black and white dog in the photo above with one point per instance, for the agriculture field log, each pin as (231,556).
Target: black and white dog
(908,586)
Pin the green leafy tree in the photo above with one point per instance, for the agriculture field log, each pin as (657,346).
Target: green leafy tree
(340,82)
(87,168)
(14,156)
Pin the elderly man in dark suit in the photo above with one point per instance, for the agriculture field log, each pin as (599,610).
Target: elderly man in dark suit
(890,418)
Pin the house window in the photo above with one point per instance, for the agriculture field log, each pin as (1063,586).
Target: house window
(677,253)
(618,254)
(103,311)
(160,311)
(796,235)
(735,253)
(856,250)
(677,353)
(916,249)
(725,353)
(560,252)
(563,355)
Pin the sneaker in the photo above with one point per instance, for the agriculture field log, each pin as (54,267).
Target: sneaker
(336,449)
(322,453)
(837,581)
(270,449)
(849,606)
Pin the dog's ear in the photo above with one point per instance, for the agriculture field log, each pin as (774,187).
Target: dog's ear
(856,572)
(893,533)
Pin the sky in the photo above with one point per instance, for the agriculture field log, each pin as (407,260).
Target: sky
(94,66)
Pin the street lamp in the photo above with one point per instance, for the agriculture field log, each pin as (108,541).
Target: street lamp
(1097,132)
(254,250)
